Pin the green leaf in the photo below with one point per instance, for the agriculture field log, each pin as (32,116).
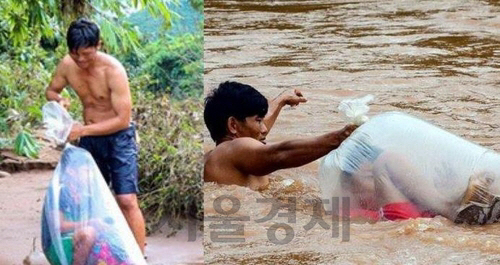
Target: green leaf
(25,145)
(108,33)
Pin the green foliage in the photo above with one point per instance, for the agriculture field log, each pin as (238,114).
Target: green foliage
(25,145)
(197,4)
(25,20)
(176,65)
(170,158)
(5,143)
(23,78)
(147,24)
(185,19)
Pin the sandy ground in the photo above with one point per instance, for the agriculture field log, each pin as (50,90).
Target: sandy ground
(21,200)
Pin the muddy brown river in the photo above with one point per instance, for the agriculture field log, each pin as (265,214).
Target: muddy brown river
(436,60)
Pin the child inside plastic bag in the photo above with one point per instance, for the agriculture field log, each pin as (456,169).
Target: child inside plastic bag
(375,179)
(396,166)
(78,226)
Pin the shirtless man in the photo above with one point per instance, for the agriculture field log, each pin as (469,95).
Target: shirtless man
(239,118)
(102,86)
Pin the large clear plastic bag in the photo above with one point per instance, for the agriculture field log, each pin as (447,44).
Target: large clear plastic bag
(81,221)
(396,158)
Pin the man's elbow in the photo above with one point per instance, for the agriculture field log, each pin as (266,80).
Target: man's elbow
(124,121)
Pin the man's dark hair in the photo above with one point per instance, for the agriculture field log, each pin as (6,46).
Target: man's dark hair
(231,99)
(82,34)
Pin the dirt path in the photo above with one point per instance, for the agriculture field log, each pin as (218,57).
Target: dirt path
(21,200)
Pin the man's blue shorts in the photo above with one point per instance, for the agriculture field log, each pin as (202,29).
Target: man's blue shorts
(116,156)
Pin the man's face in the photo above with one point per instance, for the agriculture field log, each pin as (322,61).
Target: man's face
(84,57)
(253,127)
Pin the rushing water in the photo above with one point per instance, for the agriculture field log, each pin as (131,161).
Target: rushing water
(437,60)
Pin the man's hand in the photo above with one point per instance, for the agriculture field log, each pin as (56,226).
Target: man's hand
(293,98)
(76,132)
(64,102)
(345,132)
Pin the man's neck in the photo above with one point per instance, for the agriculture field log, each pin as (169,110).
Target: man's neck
(93,65)
(225,139)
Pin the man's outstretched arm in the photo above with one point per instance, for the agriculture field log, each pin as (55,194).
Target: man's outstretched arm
(255,158)
(275,105)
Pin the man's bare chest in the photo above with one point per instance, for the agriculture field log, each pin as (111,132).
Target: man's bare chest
(90,87)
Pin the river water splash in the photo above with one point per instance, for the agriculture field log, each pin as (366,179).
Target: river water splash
(437,60)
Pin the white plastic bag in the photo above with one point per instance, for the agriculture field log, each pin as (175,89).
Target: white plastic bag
(354,110)
(395,158)
(57,121)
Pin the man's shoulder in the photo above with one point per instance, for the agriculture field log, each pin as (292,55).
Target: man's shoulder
(242,142)
(66,62)
(110,62)
(234,147)
(220,162)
